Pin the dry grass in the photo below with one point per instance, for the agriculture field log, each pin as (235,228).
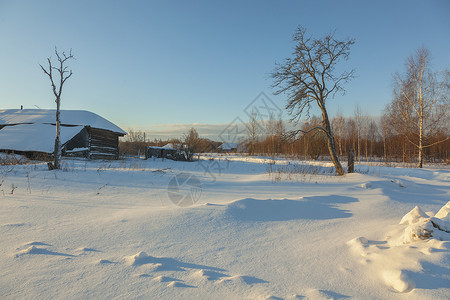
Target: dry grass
(12,159)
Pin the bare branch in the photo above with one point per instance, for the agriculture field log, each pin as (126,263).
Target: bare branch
(294,133)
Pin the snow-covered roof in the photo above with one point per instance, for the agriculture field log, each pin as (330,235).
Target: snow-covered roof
(228,146)
(170,146)
(47,116)
(34,137)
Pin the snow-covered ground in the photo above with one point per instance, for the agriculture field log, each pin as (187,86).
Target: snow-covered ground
(243,228)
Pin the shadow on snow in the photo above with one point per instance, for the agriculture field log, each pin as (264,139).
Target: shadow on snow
(310,208)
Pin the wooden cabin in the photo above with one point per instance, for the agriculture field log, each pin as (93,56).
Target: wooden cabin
(32,132)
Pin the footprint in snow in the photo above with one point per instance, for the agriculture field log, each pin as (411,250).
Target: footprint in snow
(106,262)
(180,285)
(172,282)
(209,275)
(87,250)
(324,294)
(240,279)
(165,279)
(14,225)
(272,297)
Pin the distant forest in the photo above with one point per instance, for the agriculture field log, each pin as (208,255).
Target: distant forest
(381,139)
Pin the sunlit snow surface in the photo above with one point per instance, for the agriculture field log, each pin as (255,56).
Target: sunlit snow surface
(102,230)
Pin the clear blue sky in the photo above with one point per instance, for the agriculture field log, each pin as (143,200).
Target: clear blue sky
(144,63)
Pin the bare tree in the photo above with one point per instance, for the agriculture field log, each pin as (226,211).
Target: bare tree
(271,128)
(133,143)
(62,75)
(309,78)
(280,133)
(358,116)
(253,131)
(399,115)
(192,143)
(366,136)
(338,123)
(372,135)
(424,91)
(384,123)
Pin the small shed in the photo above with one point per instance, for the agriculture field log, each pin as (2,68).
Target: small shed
(229,147)
(170,151)
(83,133)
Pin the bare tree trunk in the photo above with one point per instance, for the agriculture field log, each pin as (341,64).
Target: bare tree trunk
(421,142)
(367,138)
(331,144)
(404,138)
(358,132)
(252,132)
(334,157)
(57,91)
(57,138)
(351,161)
(340,139)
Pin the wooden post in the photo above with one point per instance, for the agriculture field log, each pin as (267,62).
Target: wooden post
(351,161)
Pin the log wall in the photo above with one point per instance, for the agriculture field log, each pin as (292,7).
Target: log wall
(103,144)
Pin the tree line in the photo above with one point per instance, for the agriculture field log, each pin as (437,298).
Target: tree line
(137,141)
(373,139)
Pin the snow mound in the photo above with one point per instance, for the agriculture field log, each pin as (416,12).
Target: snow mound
(398,280)
(395,260)
(31,250)
(138,258)
(444,213)
(399,183)
(367,185)
(415,215)
(209,275)
(421,230)
(37,244)
(421,227)
(358,245)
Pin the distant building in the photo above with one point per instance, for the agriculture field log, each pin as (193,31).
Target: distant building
(170,151)
(32,132)
(229,147)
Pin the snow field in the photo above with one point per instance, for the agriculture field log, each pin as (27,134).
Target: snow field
(109,230)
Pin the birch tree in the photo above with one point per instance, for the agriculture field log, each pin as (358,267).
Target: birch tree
(253,131)
(57,82)
(425,91)
(358,116)
(310,78)
(338,124)
(400,114)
